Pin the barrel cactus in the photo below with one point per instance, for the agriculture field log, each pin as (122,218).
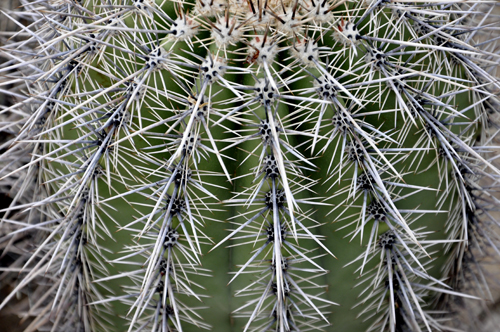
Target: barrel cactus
(254,165)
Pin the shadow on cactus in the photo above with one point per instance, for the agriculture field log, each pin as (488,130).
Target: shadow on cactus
(248,165)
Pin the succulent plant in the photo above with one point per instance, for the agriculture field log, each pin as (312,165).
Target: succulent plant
(332,161)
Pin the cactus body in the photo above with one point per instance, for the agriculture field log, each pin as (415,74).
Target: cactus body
(329,160)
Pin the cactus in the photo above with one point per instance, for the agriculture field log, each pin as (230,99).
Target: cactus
(254,165)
